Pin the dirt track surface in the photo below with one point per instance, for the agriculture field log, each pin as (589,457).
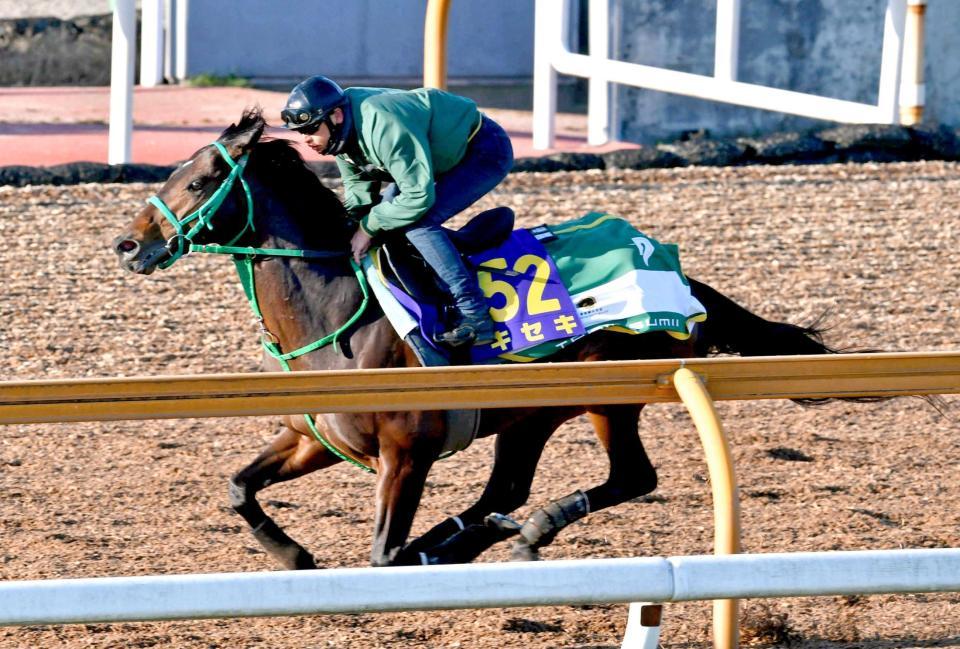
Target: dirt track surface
(874,246)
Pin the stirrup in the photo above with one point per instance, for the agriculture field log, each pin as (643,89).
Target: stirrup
(468,332)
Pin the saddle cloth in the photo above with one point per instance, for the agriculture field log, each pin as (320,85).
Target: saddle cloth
(549,286)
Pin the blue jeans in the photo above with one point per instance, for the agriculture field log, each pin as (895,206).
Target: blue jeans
(487,161)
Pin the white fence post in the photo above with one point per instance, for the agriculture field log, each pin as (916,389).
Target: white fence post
(151,43)
(643,626)
(727,48)
(598,107)
(123,55)
(549,18)
(180,31)
(169,40)
(894,27)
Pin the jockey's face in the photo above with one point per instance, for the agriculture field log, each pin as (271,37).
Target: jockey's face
(318,139)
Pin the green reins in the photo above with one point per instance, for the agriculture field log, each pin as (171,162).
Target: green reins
(182,243)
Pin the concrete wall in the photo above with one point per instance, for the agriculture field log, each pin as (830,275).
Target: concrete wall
(355,39)
(829,47)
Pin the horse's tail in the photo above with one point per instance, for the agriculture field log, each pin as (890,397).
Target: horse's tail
(732,329)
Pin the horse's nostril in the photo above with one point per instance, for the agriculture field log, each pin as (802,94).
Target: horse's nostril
(127,245)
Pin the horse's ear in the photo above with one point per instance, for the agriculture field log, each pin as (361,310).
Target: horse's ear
(240,138)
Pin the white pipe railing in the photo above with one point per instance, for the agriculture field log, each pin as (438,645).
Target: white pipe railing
(551,583)
(551,56)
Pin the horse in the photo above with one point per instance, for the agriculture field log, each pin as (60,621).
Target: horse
(256,198)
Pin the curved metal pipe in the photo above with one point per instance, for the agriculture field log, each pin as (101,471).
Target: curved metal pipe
(435,44)
(723,483)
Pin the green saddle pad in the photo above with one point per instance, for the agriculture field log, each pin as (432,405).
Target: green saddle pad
(618,279)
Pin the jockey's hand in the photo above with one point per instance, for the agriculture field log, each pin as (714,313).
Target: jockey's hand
(360,244)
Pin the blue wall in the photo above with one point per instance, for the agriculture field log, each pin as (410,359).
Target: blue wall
(355,39)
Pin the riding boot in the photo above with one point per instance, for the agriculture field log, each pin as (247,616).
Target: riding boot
(474,325)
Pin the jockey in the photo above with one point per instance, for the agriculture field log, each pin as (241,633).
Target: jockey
(440,153)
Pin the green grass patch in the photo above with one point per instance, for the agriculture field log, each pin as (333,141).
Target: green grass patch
(205,80)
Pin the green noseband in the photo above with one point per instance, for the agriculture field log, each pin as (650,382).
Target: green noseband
(179,244)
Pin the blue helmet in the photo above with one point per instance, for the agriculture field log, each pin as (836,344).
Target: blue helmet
(311,103)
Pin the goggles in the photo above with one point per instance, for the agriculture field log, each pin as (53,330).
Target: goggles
(299,120)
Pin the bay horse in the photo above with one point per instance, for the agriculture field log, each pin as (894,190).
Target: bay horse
(257,195)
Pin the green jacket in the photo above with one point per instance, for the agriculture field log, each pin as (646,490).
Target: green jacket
(407,137)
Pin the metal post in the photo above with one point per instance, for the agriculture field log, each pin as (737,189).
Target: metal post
(912,88)
(598,106)
(727,48)
(435,44)
(170,40)
(643,626)
(123,55)
(151,43)
(891,57)
(723,483)
(550,18)
(183,7)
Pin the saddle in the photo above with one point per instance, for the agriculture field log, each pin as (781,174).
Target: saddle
(400,264)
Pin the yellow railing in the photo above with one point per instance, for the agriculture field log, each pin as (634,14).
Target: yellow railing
(547,384)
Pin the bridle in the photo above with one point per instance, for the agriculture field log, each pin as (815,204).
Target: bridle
(181,244)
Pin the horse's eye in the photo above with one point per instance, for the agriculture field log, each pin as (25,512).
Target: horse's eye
(196,185)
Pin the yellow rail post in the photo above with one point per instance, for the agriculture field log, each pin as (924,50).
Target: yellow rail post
(912,89)
(723,484)
(435,44)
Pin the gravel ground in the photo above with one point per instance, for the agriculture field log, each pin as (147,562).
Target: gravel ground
(872,246)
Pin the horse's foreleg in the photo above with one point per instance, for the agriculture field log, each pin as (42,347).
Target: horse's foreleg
(519,445)
(401,477)
(290,455)
(631,475)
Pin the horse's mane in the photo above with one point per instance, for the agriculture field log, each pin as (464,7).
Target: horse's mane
(277,164)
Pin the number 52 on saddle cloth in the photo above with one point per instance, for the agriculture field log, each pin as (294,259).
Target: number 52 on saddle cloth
(549,286)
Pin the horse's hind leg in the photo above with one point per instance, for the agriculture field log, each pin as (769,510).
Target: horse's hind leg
(290,455)
(519,445)
(631,475)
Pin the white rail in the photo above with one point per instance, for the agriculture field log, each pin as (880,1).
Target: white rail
(551,57)
(358,590)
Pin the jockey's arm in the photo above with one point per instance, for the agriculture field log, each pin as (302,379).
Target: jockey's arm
(359,193)
(406,156)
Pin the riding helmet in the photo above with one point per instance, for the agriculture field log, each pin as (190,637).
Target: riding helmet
(310,104)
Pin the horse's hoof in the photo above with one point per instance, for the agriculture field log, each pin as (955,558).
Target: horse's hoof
(298,559)
(503,524)
(524,552)
(305,561)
